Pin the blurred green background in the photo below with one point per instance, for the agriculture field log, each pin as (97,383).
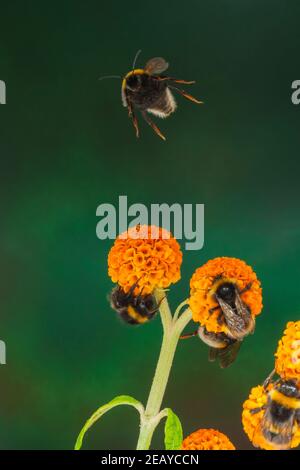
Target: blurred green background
(67,146)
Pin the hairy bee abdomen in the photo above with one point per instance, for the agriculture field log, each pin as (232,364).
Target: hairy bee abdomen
(164,106)
(131,316)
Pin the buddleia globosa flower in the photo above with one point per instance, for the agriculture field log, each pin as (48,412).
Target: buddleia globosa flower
(287,363)
(141,260)
(207,439)
(225,299)
(271,414)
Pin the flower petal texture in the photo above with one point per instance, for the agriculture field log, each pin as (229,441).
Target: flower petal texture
(207,278)
(287,356)
(147,256)
(207,439)
(252,421)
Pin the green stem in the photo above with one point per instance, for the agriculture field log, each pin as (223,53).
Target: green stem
(172,331)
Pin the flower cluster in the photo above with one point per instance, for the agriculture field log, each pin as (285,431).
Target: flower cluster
(147,256)
(287,366)
(206,280)
(207,439)
(287,356)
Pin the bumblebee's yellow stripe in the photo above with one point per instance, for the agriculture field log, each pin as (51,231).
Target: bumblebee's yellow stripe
(218,283)
(135,315)
(132,72)
(287,402)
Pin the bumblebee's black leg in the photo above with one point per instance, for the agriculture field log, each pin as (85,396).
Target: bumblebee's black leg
(177,80)
(154,126)
(247,287)
(257,410)
(140,295)
(189,335)
(185,82)
(269,379)
(220,318)
(186,95)
(132,288)
(156,308)
(158,305)
(213,309)
(132,116)
(136,126)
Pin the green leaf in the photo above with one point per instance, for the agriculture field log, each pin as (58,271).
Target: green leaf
(173,431)
(120,400)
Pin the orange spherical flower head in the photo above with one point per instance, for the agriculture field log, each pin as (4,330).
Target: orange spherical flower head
(207,439)
(148,257)
(260,421)
(287,363)
(221,290)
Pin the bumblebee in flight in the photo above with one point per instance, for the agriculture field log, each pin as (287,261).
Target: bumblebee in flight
(281,413)
(150,92)
(133,309)
(235,314)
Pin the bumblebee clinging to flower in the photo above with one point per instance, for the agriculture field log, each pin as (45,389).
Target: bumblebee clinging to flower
(281,413)
(133,309)
(236,316)
(148,91)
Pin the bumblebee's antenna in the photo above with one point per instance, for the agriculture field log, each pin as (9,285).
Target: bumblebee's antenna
(135,58)
(109,76)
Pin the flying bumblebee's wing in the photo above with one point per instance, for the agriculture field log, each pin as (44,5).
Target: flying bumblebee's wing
(156,65)
(225,356)
(277,432)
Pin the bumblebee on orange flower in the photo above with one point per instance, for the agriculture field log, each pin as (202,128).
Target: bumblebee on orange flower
(225,292)
(271,414)
(225,299)
(133,309)
(141,260)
